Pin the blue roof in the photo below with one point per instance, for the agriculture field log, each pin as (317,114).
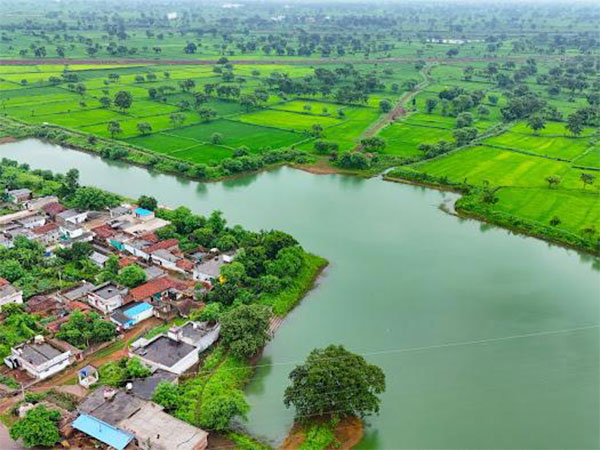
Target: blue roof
(142,212)
(137,309)
(102,431)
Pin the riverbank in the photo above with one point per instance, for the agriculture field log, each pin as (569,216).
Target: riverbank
(344,434)
(472,205)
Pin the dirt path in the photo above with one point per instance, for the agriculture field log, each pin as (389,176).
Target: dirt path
(399,110)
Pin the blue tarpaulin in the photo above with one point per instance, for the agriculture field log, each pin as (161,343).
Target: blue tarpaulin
(104,432)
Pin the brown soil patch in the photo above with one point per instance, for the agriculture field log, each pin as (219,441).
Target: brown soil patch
(348,434)
(7,140)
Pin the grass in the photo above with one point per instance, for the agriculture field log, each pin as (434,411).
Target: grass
(480,165)
(591,158)
(566,148)
(575,209)
(403,138)
(284,301)
(287,120)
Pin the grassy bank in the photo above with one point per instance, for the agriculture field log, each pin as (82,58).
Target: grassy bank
(565,217)
(284,301)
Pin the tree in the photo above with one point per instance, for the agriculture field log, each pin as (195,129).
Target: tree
(131,276)
(190,48)
(464,135)
(38,428)
(187,85)
(176,119)
(248,102)
(82,330)
(335,381)
(167,395)
(144,128)
(373,144)
(123,100)
(430,105)
(536,123)
(553,180)
(385,105)
(114,128)
(206,114)
(244,329)
(89,197)
(464,119)
(216,138)
(575,123)
(147,202)
(587,178)
(105,102)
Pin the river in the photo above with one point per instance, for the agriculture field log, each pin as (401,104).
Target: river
(487,339)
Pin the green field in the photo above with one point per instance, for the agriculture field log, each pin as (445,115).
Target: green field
(566,148)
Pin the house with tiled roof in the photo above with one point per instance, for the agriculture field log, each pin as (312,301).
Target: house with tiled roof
(53,209)
(9,293)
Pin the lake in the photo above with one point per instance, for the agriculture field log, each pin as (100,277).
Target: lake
(487,339)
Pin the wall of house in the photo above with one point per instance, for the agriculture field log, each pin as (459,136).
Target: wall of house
(47,369)
(16,297)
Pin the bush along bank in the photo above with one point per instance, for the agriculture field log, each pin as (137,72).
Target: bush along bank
(479,203)
(121,151)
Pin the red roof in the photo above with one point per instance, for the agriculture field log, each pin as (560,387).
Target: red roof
(150,237)
(127,261)
(156,286)
(78,305)
(45,228)
(53,209)
(104,231)
(3,282)
(185,264)
(162,245)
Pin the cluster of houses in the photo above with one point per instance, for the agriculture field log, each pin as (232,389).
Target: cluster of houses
(117,417)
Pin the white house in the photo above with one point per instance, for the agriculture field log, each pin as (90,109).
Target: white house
(72,216)
(19,195)
(107,297)
(199,334)
(40,359)
(166,353)
(9,293)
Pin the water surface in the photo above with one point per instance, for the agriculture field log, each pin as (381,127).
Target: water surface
(488,340)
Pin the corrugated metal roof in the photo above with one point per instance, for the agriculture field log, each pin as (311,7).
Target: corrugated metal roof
(104,432)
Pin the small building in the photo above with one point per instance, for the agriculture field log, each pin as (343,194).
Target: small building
(119,211)
(164,258)
(18,195)
(144,387)
(143,214)
(9,293)
(153,272)
(131,314)
(53,209)
(42,304)
(37,204)
(39,358)
(102,411)
(107,297)
(72,216)
(166,353)
(199,334)
(210,269)
(88,376)
(47,234)
(32,222)
(99,259)
(156,430)
(76,293)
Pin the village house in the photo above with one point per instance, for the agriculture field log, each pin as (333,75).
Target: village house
(32,221)
(47,234)
(165,352)
(99,259)
(9,293)
(53,209)
(144,387)
(117,418)
(71,233)
(37,204)
(39,358)
(71,216)
(107,297)
(199,334)
(210,269)
(18,195)
(167,295)
(131,314)
(143,214)
(156,430)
